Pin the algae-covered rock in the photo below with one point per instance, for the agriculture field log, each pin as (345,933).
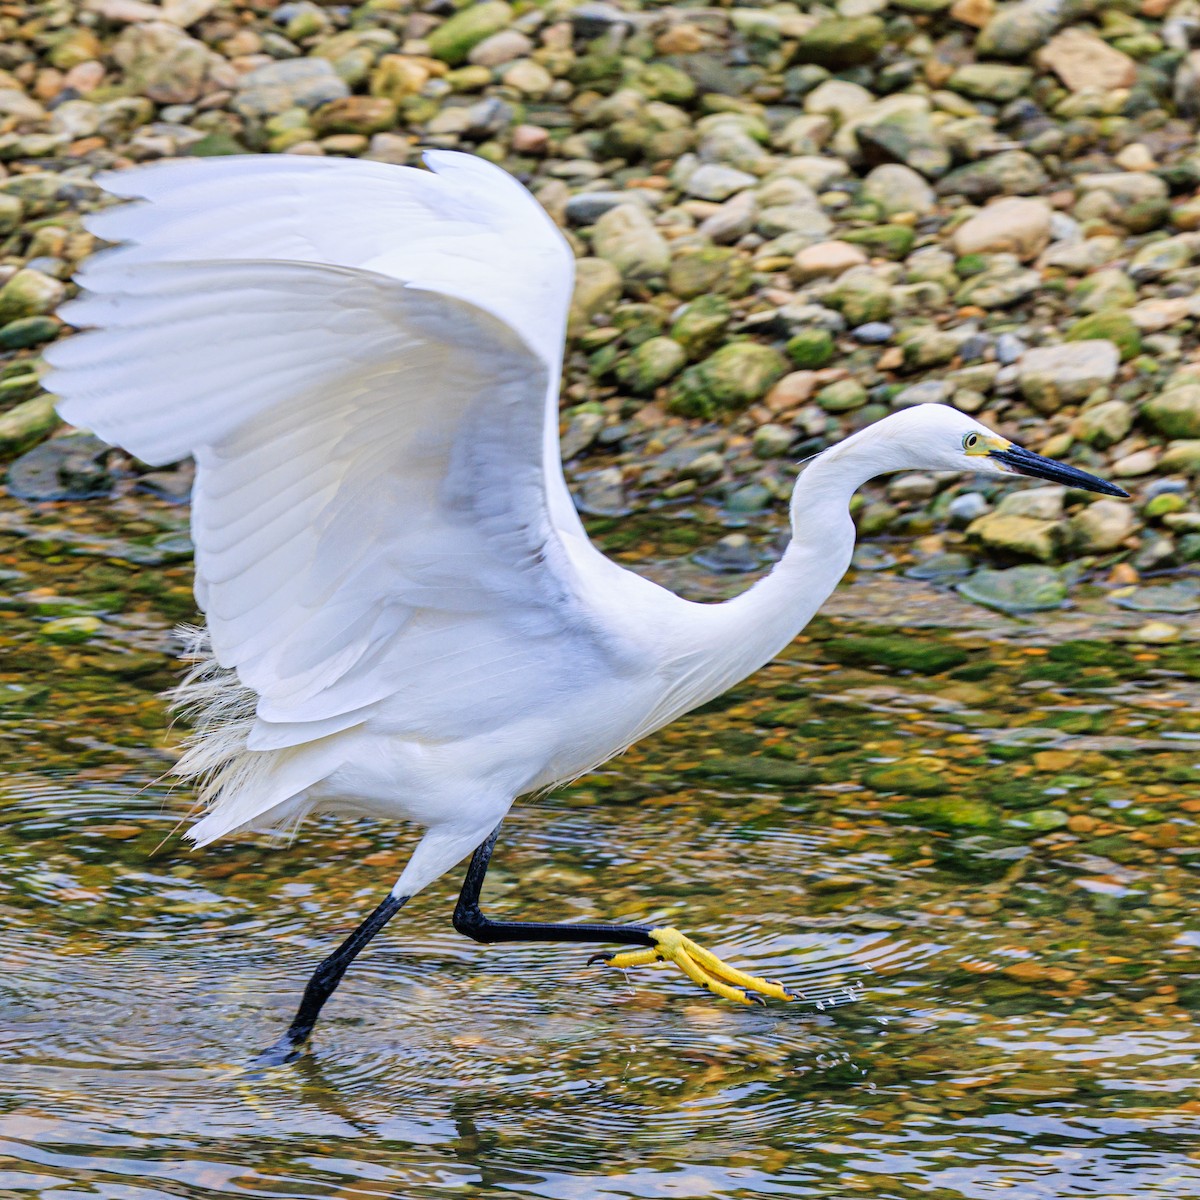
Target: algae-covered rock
(1002,283)
(71,630)
(1011,173)
(908,778)
(861,296)
(896,653)
(26,423)
(25,332)
(699,325)
(844,395)
(699,271)
(456,37)
(755,769)
(896,188)
(12,210)
(1026,537)
(1175,412)
(903,135)
(1015,590)
(29,293)
(1104,289)
(1103,424)
(736,375)
(990,81)
(812,348)
(1182,456)
(1019,29)
(950,812)
(651,364)
(839,42)
(885,241)
(1115,327)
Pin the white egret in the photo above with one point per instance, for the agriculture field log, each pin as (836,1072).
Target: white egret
(405,617)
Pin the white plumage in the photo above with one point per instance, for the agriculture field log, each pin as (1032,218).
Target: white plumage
(406,617)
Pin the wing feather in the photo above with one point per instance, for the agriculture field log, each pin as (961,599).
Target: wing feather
(378,532)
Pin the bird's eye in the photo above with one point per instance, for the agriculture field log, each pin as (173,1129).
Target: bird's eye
(970,441)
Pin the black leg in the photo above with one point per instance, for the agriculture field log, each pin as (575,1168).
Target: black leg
(324,981)
(470,921)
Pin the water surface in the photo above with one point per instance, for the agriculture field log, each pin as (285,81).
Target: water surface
(979,864)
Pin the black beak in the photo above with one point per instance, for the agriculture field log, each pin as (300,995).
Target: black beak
(1025,462)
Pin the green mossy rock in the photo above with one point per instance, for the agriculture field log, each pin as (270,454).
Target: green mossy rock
(735,376)
(651,364)
(811,349)
(842,42)
(951,812)
(701,271)
(71,630)
(11,213)
(699,326)
(28,331)
(26,424)
(907,778)
(888,241)
(661,81)
(1116,327)
(844,395)
(1175,412)
(751,769)
(29,293)
(861,296)
(455,38)
(895,653)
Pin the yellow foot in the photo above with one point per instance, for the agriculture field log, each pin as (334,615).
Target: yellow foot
(701,966)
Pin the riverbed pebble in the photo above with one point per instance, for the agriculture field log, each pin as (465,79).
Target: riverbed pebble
(787,223)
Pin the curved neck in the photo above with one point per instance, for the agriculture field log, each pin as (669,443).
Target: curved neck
(733,639)
(816,558)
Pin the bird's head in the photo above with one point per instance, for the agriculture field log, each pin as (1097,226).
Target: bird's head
(939,438)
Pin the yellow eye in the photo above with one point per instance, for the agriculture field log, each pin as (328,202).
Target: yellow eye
(970,441)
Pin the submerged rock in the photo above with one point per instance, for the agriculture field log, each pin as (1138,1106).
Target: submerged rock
(65,468)
(1015,590)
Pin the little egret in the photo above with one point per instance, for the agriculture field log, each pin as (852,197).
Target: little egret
(405,617)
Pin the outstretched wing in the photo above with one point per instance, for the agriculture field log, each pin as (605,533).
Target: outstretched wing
(374,511)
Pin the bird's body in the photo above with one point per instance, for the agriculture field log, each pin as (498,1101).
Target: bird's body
(404,614)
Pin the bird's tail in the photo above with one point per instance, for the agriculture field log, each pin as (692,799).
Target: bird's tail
(238,787)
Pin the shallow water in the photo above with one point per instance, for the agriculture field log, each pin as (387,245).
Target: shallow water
(980,867)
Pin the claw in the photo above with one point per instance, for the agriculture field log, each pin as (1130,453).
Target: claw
(701,966)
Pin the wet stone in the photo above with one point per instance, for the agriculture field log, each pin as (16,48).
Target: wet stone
(1016,589)
(733,554)
(65,468)
(1180,597)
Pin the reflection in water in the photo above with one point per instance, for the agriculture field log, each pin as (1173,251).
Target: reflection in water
(995,851)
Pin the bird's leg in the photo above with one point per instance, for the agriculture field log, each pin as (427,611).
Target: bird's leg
(324,981)
(656,943)
(470,921)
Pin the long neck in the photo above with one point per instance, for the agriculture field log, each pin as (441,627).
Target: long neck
(773,611)
(742,634)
